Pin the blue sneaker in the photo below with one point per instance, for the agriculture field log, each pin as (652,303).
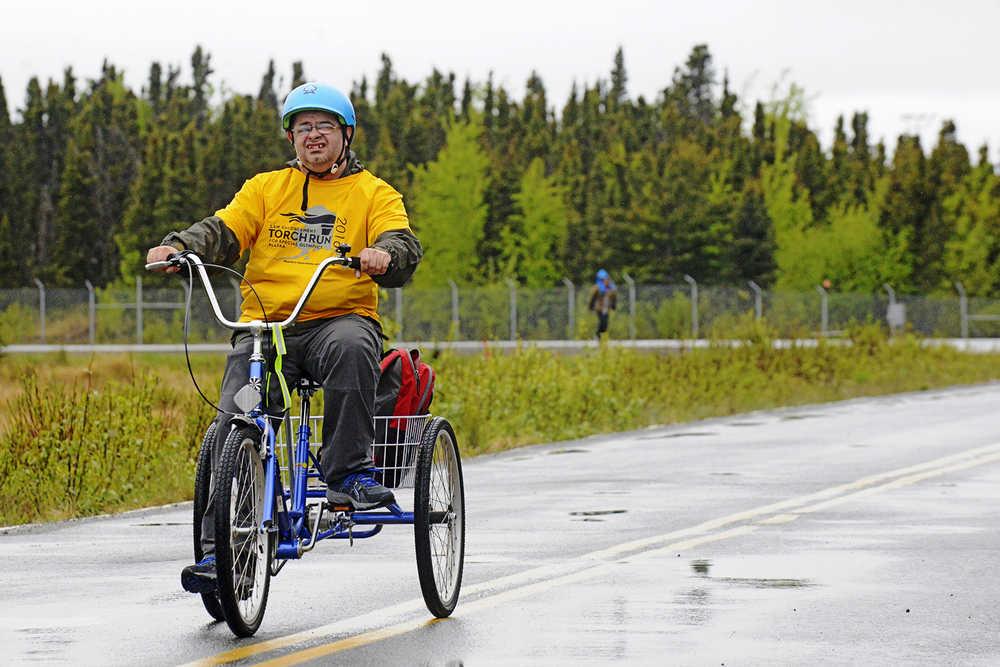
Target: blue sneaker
(360,491)
(200,577)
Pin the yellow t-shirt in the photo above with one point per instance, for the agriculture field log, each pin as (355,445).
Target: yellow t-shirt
(286,244)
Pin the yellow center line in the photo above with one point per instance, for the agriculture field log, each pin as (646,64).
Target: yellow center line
(482,603)
(897,483)
(582,567)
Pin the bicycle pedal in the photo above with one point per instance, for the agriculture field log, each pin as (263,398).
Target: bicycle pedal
(340,508)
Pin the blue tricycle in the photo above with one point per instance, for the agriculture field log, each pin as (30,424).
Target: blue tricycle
(277,508)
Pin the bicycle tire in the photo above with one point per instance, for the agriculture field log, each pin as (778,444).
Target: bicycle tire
(202,487)
(439,517)
(242,554)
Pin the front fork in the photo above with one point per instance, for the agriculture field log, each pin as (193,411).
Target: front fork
(289,526)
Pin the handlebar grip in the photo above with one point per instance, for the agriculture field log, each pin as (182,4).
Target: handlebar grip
(175,259)
(354,263)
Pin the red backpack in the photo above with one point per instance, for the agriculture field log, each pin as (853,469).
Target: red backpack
(405,386)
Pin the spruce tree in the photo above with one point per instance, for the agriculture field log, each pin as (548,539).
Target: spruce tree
(619,80)
(201,69)
(533,244)
(907,208)
(12,273)
(142,227)
(266,95)
(972,254)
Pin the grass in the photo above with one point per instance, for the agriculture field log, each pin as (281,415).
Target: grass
(80,436)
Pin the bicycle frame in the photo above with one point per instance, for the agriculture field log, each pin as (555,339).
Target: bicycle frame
(295,535)
(289,522)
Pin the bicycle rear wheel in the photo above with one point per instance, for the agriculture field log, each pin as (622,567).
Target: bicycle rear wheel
(242,553)
(202,486)
(439,517)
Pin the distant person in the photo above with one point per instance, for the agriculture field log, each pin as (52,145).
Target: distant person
(603,299)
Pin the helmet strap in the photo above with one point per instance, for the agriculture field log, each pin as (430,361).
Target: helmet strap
(320,174)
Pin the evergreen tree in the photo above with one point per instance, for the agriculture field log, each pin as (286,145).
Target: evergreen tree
(12,263)
(266,95)
(908,208)
(298,75)
(6,166)
(465,110)
(537,134)
(447,209)
(154,94)
(753,237)
(691,89)
(142,227)
(862,171)
(534,242)
(972,254)
(95,184)
(619,80)
(77,258)
(201,69)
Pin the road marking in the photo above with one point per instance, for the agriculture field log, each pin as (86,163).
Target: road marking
(483,603)
(537,580)
(897,483)
(780,518)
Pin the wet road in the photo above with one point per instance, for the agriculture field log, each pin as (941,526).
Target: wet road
(861,532)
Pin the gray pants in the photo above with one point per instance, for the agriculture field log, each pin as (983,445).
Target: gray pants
(342,354)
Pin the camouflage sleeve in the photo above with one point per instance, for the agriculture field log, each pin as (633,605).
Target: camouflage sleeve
(406,252)
(210,239)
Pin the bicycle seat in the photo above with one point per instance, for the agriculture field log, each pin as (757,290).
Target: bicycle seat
(309,385)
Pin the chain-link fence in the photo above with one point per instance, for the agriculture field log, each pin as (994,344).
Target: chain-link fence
(499,312)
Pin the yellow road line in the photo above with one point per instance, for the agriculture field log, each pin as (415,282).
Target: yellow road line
(582,567)
(483,603)
(897,483)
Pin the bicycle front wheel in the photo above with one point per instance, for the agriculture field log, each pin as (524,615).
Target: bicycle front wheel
(439,517)
(242,552)
(202,487)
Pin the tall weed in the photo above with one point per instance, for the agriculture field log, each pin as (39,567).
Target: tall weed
(81,449)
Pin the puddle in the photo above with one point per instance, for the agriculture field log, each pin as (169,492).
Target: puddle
(766,583)
(745,423)
(725,474)
(677,435)
(789,418)
(702,567)
(597,512)
(570,451)
(164,523)
(47,643)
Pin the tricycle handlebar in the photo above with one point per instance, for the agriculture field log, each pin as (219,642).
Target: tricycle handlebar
(186,256)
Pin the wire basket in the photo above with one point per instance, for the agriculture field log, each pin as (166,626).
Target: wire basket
(394,449)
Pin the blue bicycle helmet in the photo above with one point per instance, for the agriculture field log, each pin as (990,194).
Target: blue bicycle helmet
(317,97)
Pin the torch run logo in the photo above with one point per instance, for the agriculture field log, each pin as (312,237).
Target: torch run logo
(315,230)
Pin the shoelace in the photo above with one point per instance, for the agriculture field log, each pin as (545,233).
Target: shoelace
(360,479)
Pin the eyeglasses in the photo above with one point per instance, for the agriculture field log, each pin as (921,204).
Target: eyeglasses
(323,127)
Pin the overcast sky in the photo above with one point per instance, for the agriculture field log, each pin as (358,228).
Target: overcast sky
(909,64)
